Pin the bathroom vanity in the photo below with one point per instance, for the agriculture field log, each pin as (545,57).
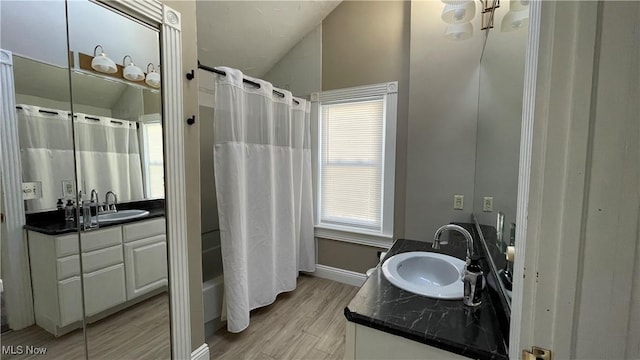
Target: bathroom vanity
(384,321)
(122,264)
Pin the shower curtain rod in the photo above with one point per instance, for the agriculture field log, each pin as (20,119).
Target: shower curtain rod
(220,72)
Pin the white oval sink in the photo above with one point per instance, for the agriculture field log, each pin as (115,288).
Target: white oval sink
(121,215)
(426,273)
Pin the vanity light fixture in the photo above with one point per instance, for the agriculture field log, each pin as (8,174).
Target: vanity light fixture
(515,20)
(458,32)
(458,13)
(153,77)
(102,63)
(517,17)
(131,71)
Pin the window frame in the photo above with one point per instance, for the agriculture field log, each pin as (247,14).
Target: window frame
(388,92)
(145,120)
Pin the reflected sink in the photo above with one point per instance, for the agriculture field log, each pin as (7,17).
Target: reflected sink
(121,215)
(428,274)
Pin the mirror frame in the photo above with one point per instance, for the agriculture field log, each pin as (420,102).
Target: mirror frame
(168,21)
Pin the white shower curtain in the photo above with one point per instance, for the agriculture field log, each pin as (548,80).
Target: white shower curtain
(46,150)
(107,150)
(108,155)
(262,161)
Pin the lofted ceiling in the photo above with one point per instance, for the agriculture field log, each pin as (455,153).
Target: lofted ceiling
(254,35)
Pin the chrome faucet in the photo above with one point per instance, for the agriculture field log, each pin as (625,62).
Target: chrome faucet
(94,195)
(111,206)
(460,229)
(94,200)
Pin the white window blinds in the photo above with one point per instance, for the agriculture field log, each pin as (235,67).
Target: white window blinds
(154,161)
(351,163)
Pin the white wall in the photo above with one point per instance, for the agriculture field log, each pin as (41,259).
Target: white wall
(300,70)
(443,104)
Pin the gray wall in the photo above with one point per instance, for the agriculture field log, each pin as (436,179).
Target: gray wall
(367,42)
(443,100)
(300,69)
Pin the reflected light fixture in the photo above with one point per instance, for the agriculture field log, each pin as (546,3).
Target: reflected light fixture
(515,20)
(458,31)
(517,17)
(153,77)
(460,12)
(102,63)
(131,71)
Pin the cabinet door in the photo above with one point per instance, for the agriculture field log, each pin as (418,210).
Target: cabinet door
(70,301)
(104,289)
(146,264)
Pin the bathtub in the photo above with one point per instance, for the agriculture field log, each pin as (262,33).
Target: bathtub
(212,291)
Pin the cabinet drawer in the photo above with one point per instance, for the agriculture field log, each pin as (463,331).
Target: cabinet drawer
(70,301)
(144,229)
(66,245)
(68,266)
(104,289)
(98,259)
(98,239)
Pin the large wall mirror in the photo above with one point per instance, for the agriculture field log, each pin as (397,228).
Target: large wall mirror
(86,272)
(498,136)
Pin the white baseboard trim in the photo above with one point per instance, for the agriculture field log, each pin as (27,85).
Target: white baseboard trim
(340,275)
(201,353)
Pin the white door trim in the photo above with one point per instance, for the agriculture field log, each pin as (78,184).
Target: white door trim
(553,159)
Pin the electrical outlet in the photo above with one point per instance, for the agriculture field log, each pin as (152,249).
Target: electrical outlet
(458,202)
(68,190)
(487,204)
(31,190)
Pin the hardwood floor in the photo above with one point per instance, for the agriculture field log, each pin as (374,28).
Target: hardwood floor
(307,323)
(138,332)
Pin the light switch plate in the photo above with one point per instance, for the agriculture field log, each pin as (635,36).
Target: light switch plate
(68,190)
(487,204)
(31,190)
(458,202)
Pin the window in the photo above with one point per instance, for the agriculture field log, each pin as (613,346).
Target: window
(356,159)
(152,156)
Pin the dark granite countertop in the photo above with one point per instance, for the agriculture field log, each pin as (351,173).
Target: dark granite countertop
(52,222)
(445,324)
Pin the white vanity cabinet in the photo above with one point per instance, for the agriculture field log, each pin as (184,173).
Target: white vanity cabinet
(363,342)
(145,257)
(120,264)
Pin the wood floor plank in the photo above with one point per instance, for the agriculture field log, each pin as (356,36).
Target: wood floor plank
(138,332)
(307,323)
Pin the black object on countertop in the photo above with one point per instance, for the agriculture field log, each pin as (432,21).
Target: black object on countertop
(49,222)
(445,324)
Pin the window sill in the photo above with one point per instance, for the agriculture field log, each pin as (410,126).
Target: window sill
(350,236)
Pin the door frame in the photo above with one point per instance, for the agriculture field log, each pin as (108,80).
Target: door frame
(559,74)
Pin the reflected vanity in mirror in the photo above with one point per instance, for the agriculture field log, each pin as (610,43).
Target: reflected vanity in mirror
(92,167)
(498,137)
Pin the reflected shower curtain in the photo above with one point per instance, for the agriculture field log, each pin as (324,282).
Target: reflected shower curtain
(262,159)
(108,155)
(107,150)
